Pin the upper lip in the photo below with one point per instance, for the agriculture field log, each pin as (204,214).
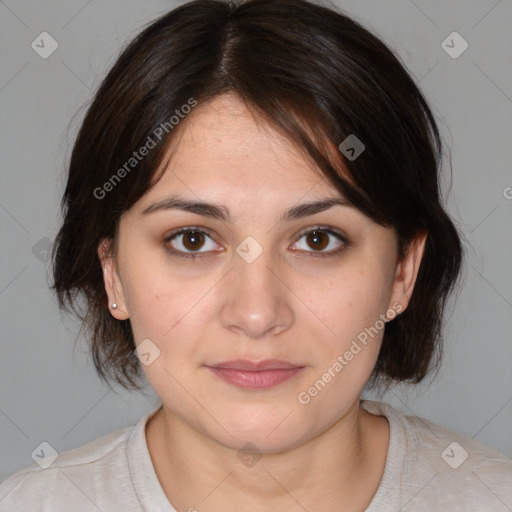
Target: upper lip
(254,366)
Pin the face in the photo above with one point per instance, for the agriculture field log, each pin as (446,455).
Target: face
(258,278)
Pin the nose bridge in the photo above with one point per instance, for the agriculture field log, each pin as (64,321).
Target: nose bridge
(255,273)
(255,301)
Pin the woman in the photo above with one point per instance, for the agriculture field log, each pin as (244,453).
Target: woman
(252,217)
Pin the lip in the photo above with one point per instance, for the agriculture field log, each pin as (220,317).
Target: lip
(248,374)
(254,366)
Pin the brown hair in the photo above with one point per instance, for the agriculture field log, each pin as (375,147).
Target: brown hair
(315,75)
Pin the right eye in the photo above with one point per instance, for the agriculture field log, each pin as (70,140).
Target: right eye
(189,242)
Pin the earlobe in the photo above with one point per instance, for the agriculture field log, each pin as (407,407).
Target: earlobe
(407,271)
(111,281)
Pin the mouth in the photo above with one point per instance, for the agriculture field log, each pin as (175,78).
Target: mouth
(247,374)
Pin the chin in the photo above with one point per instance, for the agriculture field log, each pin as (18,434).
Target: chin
(271,428)
(259,442)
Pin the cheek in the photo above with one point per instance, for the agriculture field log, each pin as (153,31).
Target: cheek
(173,312)
(168,316)
(162,309)
(349,306)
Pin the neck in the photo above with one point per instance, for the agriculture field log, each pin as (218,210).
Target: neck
(338,466)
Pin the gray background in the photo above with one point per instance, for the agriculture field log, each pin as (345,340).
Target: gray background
(48,392)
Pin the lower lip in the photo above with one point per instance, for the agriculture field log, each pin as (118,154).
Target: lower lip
(255,379)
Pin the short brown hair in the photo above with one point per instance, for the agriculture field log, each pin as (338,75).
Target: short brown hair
(315,75)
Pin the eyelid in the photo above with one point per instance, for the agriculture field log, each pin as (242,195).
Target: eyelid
(322,227)
(205,231)
(345,243)
(187,229)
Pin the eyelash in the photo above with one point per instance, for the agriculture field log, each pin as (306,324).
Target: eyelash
(311,254)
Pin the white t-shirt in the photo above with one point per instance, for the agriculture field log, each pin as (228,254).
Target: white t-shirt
(428,468)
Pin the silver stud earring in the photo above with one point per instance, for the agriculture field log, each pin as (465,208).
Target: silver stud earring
(114,306)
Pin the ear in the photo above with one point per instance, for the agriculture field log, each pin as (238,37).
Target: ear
(407,271)
(111,280)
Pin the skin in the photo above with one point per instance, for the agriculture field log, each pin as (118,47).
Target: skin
(287,304)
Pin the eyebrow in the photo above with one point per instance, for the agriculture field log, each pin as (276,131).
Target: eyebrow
(220,212)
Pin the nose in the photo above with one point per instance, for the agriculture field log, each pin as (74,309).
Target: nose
(256,301)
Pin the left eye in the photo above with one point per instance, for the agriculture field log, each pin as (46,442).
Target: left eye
(321,241)
(192,241)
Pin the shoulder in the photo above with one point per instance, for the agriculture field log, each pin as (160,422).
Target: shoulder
(73,478)
(458,469)
(443,469)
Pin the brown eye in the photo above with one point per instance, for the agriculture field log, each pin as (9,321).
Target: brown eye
(321,242)
(191,243)
(317,240)
(193,240)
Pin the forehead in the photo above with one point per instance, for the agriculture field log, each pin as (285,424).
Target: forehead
(224,149)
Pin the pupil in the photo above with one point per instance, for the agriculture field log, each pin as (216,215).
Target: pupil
(315,240)
(193,240)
